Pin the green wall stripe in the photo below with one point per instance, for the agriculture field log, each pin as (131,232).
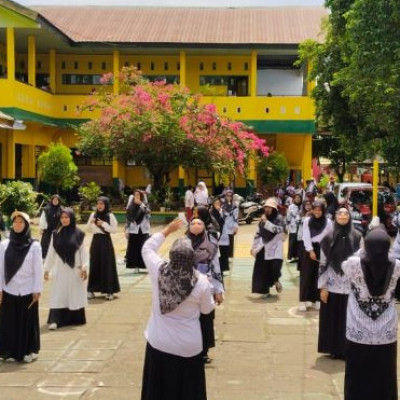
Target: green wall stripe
(282,126)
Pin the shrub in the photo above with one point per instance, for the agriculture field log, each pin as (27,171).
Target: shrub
(17,195)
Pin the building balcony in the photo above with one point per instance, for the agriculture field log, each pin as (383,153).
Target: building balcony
(266,114)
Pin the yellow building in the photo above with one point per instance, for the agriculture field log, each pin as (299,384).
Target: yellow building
(52,58)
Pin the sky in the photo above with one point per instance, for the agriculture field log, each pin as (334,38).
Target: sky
(178,3)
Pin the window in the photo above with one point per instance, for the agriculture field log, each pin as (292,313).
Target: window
(103,65)
(229,66)
(214,66)
(90,65)
(165,66)
(63,66)
(224,85)
(246,66)
(76,65)
(201,66)
(81,79)
(152,66)
(139,65)
(170,79)
(178,66)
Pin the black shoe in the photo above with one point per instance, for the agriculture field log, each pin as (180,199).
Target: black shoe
(207,360)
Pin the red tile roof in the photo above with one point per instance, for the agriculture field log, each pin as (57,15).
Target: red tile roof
(225,26)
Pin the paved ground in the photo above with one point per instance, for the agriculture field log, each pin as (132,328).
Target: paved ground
(265,350)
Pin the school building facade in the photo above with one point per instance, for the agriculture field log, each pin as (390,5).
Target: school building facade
(52,58)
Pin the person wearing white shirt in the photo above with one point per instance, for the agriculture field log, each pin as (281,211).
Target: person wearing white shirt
(67,261)
(372,321)
(137,229)
(103,275)
(20,288)
(189,202)
(314,230)
(173,367)
(49,221)
(201,194)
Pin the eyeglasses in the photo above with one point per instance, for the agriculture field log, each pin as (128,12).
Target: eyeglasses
(342,213)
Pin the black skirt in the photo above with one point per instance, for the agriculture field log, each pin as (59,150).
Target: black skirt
(103,275)
(301,253)
(207,331)
(134,257)
(292,246)
(19,326)
(309,277)
(65,317)
(332,325)
(231,245)
(265,273)
(224,258)
(371,372)
(45,242)
(171,377)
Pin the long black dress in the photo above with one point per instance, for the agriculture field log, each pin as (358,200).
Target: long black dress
(103,275)
(52,215)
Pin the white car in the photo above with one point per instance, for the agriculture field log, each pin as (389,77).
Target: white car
(339,189)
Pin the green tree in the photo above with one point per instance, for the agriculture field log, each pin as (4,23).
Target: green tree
(274,169)
(56,167)
(163,126)
(338,136)
(90,192)
(17,195)
(371,77)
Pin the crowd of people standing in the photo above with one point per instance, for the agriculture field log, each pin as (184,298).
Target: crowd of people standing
(349,280)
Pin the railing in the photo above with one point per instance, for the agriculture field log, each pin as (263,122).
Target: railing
(15,94)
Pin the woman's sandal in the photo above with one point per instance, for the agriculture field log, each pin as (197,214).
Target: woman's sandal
(278,287)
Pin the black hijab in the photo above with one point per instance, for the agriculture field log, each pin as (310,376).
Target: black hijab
(16,252)
(211,224)
(228,206)
(218,217)
(53,213)
(339,244)
(68,239)
(134,212)
(375,263)
(105,214)
(331,203)
(204,250)
(265,234)
(317,225)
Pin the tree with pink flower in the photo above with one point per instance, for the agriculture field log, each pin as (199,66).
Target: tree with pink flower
(162,126)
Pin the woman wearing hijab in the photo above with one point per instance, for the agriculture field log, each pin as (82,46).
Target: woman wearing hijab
(337,246)
(49,221)
(20,288)
(201,194)
(371,331)
(230,215)
(292,227)
(67,261)
(173,366)
(267,248)
(103,275)
(206,261)
(331,205)
(137,229)
(306,211)
(314,230)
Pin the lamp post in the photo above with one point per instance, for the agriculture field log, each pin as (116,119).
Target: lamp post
(375,178)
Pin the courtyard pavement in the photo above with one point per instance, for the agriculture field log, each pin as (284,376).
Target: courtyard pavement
(265,348)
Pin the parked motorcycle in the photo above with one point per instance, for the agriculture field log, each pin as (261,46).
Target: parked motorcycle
(249,208)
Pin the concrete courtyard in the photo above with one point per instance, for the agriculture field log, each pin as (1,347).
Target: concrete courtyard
(265,348)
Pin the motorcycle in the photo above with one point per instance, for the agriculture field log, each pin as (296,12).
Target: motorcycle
(249,208)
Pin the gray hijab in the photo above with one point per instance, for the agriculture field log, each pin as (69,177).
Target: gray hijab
(177,278)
